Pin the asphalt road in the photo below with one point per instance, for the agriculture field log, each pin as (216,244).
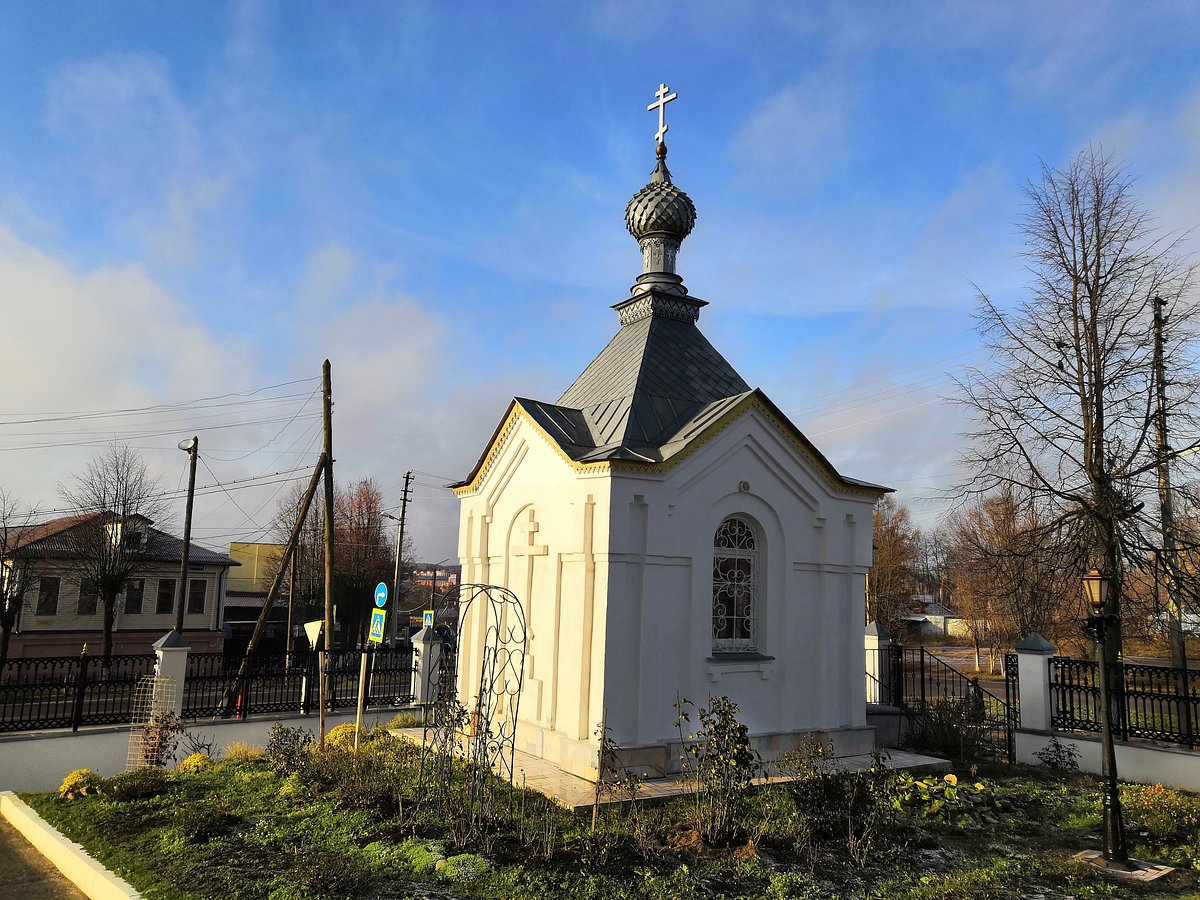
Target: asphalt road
(26,874)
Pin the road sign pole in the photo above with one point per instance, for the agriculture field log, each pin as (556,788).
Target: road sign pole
(362,697)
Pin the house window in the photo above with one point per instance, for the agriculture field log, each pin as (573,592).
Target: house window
(735,587)
(196,590)
(135,591)
(165,604)
(47,604)
(89,596)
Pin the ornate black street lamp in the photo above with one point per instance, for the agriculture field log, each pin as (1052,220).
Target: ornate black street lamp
(1097,626)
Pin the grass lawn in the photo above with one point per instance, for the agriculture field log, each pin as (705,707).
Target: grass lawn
(295,823)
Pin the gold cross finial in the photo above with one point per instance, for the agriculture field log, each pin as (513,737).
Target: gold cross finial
(661,105)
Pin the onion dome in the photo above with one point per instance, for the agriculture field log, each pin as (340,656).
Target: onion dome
(660,208)
(660,216)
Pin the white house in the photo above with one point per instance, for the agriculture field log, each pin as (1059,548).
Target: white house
(671,535)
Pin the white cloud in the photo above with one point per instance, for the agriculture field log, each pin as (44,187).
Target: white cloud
(139,148)
(797,138)
(106,339)
(327,276)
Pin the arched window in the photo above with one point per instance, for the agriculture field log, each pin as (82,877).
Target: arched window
(735,587)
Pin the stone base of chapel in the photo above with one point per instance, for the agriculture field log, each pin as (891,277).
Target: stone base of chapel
(656,760)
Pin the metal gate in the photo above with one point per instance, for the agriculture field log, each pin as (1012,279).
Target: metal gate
(483,734)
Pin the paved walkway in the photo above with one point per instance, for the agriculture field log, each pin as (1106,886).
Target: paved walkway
(577,793)
(25,873)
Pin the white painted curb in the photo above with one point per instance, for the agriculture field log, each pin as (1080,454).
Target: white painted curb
(69,857)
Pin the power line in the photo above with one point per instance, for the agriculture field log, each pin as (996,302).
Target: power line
(162,406)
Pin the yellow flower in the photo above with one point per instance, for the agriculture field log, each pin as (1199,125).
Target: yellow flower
(951,778)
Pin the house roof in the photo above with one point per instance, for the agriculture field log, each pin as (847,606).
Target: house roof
(61,539)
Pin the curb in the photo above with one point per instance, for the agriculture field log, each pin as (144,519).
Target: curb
(66,855)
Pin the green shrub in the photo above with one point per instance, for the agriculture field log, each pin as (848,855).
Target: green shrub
(375,779)
(80,783)
(851,808)
(202,821)
(1059,756)
(342,736)
(407,718)
(421,856)
(720,762)
(1164,814)
(138,784)
(967,805)
(462,867)
(311,874)
(947,727)
(288,749)
(197,762)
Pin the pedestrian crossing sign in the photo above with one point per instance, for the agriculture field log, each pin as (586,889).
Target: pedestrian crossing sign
(378,617)
(427,619)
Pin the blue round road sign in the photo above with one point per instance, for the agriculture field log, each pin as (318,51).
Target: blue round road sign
(381,595)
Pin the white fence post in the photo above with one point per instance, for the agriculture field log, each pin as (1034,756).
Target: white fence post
(1033,673)
(876,641)
(171,668)
(427,645)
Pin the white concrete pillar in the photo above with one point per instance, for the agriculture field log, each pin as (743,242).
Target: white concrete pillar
(876,641)
(427,649)
(170,671)
(1033,674)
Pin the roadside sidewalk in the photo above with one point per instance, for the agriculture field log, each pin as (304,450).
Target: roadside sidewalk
(25,873)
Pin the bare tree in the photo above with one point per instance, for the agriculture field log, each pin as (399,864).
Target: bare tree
(365,555)
(16,575)
(1064,413)
(110,547)
(1010,575)
(894,577)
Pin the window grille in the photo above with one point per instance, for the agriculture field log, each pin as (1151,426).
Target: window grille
(735,587)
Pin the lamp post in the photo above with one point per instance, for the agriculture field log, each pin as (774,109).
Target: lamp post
(1097,627)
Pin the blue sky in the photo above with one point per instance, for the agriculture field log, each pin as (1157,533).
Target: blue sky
(203,198)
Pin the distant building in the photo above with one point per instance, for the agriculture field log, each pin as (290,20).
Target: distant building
(60,614)
(428,585)
(247,595)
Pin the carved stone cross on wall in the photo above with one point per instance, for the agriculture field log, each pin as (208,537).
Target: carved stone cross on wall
(529,550)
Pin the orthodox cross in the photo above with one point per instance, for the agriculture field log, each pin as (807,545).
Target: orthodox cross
(530,550)
(661,105)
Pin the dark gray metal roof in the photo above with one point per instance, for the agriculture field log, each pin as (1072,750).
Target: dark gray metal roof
(656,375)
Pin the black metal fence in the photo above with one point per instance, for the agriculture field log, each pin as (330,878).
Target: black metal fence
(69,691)
(916,680)
(72,691)
(1152,702)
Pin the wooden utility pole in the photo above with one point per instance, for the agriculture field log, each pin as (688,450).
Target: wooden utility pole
(327,384)
(404,495)
(193,450)
(1166,510)
(239,683)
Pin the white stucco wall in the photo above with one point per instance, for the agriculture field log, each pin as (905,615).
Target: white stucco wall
(1144,763)
(618,595)
(561,583)
(815,553)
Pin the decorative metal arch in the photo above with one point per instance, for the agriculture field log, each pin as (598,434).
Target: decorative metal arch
(484,735)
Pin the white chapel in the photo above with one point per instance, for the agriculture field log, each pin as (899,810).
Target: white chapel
(669,534)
